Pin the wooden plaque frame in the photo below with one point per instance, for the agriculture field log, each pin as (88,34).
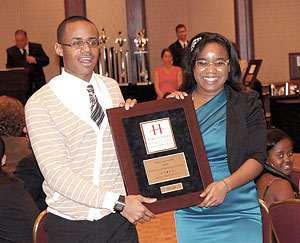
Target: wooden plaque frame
(252,71)
(294,66)
(199,167)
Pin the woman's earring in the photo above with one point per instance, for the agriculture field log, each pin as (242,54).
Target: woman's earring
(268,163)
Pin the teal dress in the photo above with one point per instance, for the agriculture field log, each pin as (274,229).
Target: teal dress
(238,218)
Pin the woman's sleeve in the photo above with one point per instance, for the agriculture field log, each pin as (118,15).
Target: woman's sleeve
(257,131)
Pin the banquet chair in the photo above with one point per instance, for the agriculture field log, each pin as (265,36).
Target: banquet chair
(267,229)
(285,220)
(38,232)
(295,176)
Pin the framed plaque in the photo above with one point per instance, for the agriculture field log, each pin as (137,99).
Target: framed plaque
(161,152)
(252,71)
(294,65)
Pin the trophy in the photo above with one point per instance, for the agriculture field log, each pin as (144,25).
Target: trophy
(141,40)
(141,53)
(121,60)
(106,62)
(120,40)
(103,38)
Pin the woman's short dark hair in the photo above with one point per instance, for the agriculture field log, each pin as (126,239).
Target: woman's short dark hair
(274,135)
(12,118)
(165,50)
(192,52)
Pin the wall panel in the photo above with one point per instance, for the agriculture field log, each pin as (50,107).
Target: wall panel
(276,27)
(39,19)
(198,15)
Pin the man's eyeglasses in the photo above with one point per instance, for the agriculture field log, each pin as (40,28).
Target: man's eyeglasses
(220,64)
(80,44)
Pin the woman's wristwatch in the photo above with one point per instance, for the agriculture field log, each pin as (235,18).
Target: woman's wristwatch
(120,204)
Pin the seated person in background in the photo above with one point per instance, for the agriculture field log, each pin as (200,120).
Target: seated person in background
(12,118)
(167,78)
(274,184)
(29,172)
(12,122)
(18,150)
(17,209)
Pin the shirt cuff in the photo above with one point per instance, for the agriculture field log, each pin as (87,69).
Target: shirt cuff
(110,200)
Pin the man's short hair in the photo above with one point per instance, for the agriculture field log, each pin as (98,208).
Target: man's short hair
(72,19)
(179,27)
(12,118)
(21,32)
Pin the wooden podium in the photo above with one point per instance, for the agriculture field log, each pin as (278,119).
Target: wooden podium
(14,82)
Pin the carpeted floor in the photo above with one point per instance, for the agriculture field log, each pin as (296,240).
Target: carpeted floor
(159,230)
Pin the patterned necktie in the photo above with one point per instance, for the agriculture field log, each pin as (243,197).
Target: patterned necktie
(97,113)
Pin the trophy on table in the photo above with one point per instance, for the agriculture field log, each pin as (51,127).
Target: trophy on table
(120,40)
(106,62)
(121,60)
(141,53)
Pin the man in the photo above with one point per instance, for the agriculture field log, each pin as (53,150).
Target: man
(178,46)
(76,155)
(32,57)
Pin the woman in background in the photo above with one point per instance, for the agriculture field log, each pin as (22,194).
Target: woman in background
(275,184)
(167,78)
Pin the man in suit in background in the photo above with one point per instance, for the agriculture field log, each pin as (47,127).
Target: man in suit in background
(32,57)
(178,46)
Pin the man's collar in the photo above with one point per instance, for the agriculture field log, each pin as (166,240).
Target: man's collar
(64,73)
(183,42)
(26,47)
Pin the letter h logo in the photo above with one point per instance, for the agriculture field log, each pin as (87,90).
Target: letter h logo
(158,129)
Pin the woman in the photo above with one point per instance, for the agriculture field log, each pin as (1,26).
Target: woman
(167,78)
(234,134)
(275,184)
